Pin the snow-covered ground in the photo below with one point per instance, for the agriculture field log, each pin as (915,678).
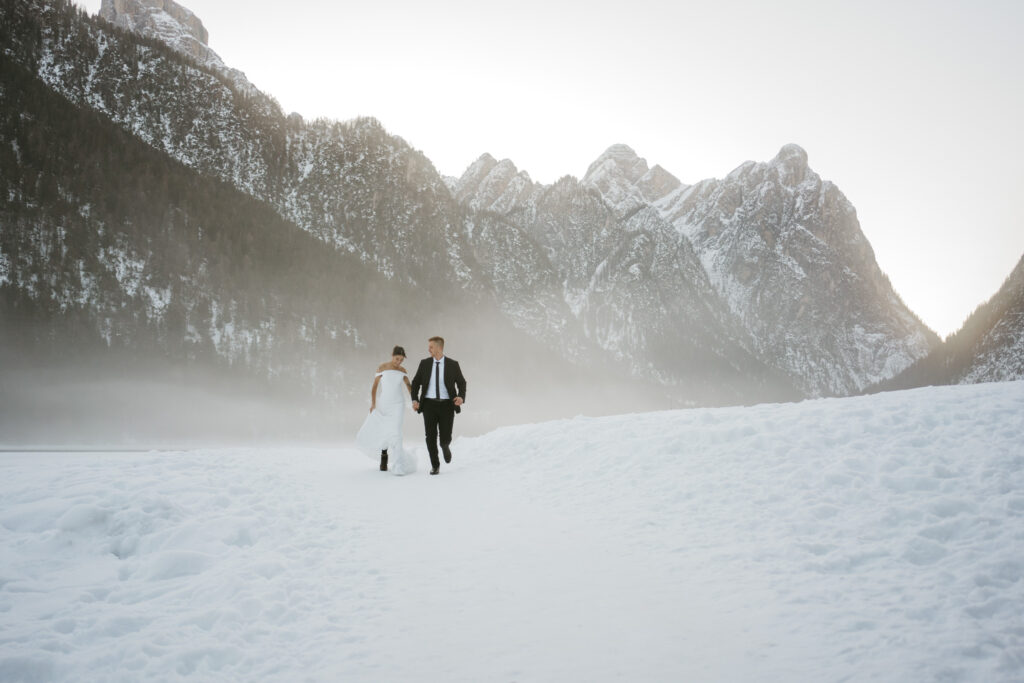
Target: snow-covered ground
(874,538)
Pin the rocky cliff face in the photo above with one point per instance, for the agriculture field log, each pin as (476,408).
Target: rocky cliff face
(625,182)
(785,250)
(618,275)
(163,19)
(490,185)
(770,260)
(174,25)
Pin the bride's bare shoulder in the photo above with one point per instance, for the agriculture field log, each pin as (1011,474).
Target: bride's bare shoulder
(388,366)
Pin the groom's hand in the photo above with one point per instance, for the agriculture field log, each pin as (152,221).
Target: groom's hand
(415,405)
(458,400)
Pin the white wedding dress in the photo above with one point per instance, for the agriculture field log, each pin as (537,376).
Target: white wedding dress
(383,427)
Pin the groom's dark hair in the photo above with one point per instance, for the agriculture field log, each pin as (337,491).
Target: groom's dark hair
(437,340)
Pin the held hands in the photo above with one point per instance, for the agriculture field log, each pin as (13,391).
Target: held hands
(416,404)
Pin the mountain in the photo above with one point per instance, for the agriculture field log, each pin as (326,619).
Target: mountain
(218,232)
(352,185)
(989,347)
(623,281)
(770,260)
(785,250)
(117,262)
(165,234)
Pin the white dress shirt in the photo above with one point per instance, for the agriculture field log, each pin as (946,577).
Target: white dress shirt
(430,387)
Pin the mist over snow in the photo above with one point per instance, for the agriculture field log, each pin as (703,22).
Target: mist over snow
(869,538)
(167,228)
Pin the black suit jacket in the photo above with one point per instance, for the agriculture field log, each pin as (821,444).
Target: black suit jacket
(454,382)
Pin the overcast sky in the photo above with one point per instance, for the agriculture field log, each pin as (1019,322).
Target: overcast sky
(913,108)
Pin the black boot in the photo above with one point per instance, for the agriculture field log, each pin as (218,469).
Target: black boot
(384,460)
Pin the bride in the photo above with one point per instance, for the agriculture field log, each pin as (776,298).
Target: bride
(382,431)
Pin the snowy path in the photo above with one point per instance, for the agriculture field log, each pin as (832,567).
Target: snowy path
(869,538)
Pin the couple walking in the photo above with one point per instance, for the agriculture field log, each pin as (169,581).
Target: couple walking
(438,391)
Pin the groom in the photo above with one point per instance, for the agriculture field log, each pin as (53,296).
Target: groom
(438,392)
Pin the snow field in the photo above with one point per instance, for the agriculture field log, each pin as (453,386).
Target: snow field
(877,538)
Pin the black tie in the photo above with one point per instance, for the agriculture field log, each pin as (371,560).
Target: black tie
(437,380)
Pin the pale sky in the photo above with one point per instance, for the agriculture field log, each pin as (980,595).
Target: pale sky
(913,108)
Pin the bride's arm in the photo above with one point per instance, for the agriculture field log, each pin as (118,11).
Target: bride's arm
(373,393)
(417,381)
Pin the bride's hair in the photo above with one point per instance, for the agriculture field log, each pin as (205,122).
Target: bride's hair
(398,351)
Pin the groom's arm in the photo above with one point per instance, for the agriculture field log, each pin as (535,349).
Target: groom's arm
(417,382)
(460,383)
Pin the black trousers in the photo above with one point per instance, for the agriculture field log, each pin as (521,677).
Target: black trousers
(438,418)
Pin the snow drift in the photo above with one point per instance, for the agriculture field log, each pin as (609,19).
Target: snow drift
(878,537)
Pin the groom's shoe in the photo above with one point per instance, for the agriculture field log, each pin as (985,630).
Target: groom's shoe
(436,470)
(447,455)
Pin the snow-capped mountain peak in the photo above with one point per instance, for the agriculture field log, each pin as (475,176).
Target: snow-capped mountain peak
(492,185)
(616,161)
(791,162)
(625,181)
(174,25)
(658,183)
(474,174)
